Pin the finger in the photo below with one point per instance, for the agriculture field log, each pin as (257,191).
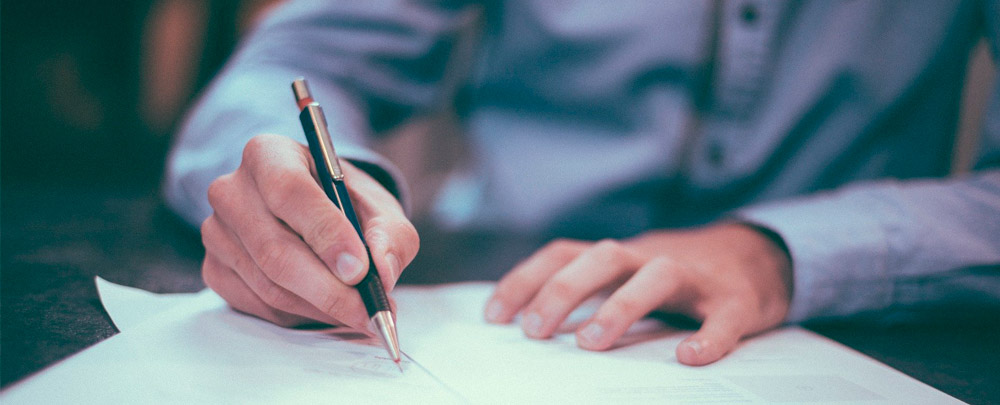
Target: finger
(518,286)
(231,288)
(281,255)
(717,336)
(226,249)
(279,169)
(654,283)
(595,268)
(393,240)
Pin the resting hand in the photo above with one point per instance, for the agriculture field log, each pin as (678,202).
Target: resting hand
(278,249)
(730,277)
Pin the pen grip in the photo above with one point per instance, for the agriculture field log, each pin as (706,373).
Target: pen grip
(371,289)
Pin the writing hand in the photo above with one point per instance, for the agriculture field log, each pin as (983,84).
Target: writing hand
(730,277)
(277,248)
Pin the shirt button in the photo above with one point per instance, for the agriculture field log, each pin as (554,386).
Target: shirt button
(716,156)
(749,14)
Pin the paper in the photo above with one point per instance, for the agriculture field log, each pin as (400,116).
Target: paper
(130,306)
(201,351)
(497,364)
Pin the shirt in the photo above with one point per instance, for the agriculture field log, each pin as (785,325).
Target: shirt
(830,123)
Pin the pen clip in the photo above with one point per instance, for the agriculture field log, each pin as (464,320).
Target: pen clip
(327,153)
(312,116)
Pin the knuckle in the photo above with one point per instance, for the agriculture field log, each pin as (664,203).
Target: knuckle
(504,287)
(411,234)
(404,238)
(556,251)
(256,148)
(275,261)
(511,287)
(207,231)
(516,280)
(243,264)
(407,233)
(608,250)
(623,307)
(209,274)
(322,233)
(662,268)
(218,190)
(560,247)
(204,228)
(561,288)
(333,304)
(380,227)
(276,297)
(377,221)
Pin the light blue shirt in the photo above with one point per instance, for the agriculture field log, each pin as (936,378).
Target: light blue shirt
(831,123)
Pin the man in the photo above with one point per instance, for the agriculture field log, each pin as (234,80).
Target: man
(741,163)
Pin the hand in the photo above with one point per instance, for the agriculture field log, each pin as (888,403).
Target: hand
(277,248)
(730,277)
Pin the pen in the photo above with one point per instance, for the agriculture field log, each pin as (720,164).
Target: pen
(332,178)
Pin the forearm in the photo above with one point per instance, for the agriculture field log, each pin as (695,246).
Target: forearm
(360,59)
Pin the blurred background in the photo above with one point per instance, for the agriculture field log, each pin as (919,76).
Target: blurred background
(92,91)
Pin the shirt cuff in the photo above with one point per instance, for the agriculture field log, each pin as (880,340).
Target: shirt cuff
(838,261)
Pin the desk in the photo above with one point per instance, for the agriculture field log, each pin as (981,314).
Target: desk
(54,241)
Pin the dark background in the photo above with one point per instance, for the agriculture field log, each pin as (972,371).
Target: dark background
(92,90)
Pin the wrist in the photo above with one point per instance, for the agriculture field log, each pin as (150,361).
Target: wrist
(772,252)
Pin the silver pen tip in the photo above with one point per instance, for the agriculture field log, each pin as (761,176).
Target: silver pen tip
(387,329)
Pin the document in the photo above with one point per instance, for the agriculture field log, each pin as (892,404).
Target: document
(130,306)
(193,348)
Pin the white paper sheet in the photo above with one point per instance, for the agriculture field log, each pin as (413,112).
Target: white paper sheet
(130,306)
(200,351)
(497,364)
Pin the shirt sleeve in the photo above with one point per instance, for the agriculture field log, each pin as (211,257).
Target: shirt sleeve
(370,64)
(892,246)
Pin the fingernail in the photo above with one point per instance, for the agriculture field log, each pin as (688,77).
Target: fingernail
(592,334)
(394,265)
(694,345)
(348,267)
(533,324)
(494,309)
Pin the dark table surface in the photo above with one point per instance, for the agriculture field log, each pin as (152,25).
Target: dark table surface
(56,239)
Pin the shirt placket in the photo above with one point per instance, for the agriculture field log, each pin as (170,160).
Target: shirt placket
(747,39)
